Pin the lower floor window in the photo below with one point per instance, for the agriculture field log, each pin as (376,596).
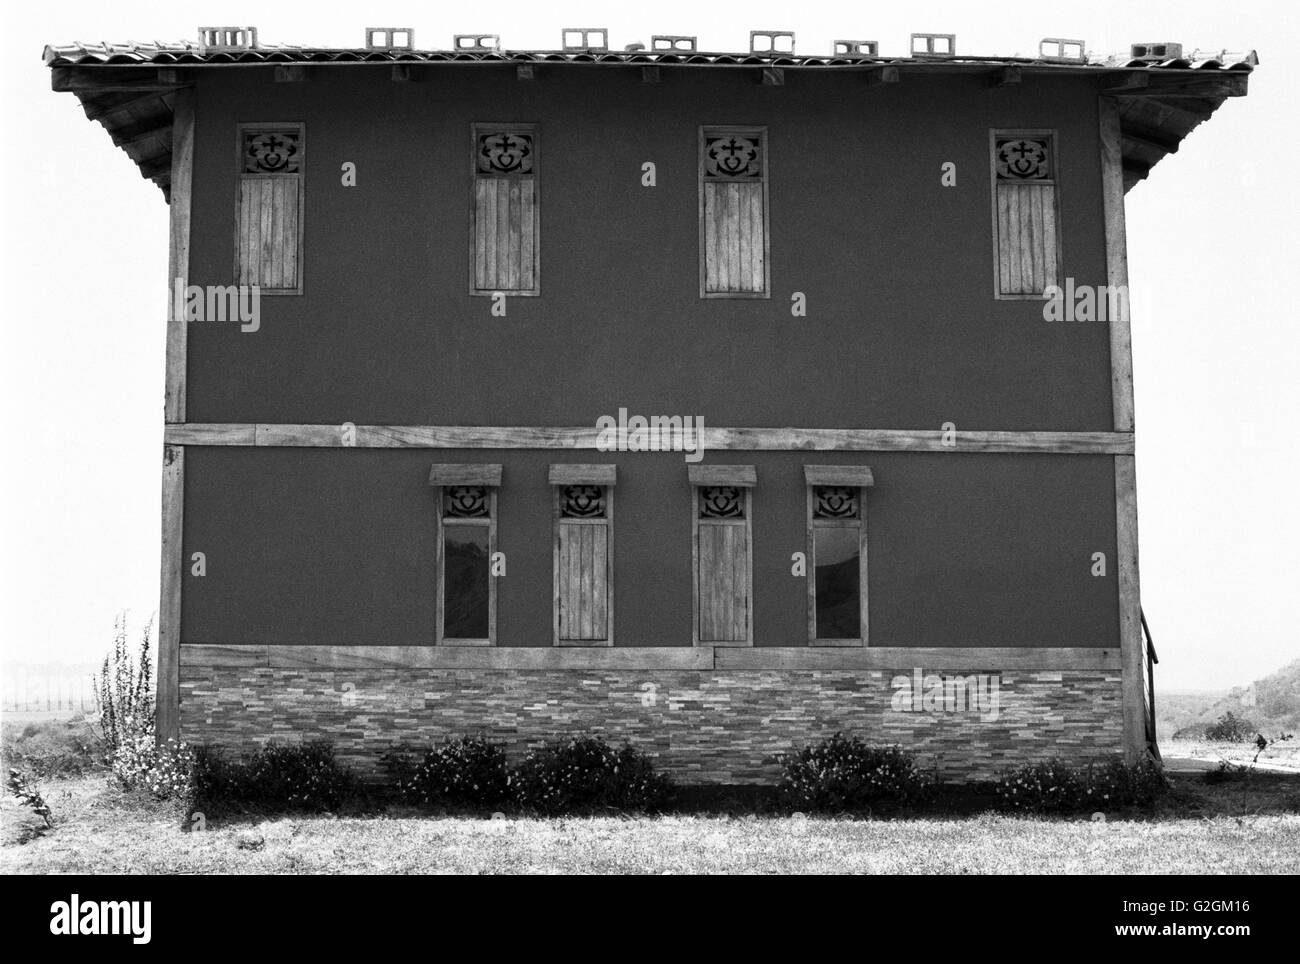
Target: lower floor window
(837,554)
(466,540)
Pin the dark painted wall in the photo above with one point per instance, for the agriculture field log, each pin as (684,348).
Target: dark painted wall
(902,332)
(331,546)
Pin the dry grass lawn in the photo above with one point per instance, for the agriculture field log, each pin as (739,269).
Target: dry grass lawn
(1228,829)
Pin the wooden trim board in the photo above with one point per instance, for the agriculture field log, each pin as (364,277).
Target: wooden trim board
(586,437)
(699,658)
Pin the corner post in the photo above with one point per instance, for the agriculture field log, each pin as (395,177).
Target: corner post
(173,474)
(1121,366)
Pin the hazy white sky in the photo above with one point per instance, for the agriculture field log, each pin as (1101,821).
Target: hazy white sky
(1212,249)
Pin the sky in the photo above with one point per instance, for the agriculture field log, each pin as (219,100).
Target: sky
(1212,244)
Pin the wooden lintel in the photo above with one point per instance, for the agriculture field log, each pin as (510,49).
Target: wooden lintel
(589,438)
(526,72)
(650,74)
(1005,77)
(291,73)
(107,77)
(405,74)
(888,74)
(772,77)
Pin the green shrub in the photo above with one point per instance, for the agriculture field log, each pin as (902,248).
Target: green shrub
(1230,728)
(466,772)
(1053,786)
(586,775)
(297,776)
(843,773)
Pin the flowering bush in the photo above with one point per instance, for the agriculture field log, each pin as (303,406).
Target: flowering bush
(1054,787)
(587,774)
(462,773)
(166,771)
(844,773)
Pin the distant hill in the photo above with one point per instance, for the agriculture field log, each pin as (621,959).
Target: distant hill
(1272,704)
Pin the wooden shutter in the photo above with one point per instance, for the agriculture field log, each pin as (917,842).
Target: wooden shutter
(584,589)
(724,585)
(268,242)
(584,517)
(504,235)
(1025,215)
(733,212)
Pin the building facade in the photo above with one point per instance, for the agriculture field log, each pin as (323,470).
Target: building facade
(707,401)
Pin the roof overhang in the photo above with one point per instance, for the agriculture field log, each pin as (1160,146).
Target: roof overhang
(128,88)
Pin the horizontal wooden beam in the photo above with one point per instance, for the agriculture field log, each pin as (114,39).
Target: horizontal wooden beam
(106,77)
(699,658)
(447,657)
(929,658)
(588,437)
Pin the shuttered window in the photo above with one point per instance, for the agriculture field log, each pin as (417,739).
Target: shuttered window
(466,541)
(584,563)
(733,212)
(837,554)
(724,586)
(268,241)
(504,251)
(1025,216)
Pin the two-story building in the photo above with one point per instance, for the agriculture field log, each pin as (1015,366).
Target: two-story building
(711,401)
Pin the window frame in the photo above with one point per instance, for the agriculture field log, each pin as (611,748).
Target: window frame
(301,177)
(705,131)
(442,477)
(745,478)
(534,131)
(838,476)
(560,476)
(1054,140)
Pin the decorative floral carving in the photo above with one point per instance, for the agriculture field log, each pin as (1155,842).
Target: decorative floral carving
(733,156)
(1022,159)
(835,502)
(721,502)
(583,502)
(271,152)
(505,152)
(467,501)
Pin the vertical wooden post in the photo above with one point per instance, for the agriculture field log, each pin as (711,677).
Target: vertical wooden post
(173,475)
(1121,367)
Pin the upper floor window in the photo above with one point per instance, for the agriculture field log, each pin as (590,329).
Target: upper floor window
(504,250)
(734,245)
(268,242)
(1027,242)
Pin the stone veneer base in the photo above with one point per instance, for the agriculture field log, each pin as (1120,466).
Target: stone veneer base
(703,727)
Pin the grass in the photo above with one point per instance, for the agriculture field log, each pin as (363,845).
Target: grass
(1250,828)
(50,747)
